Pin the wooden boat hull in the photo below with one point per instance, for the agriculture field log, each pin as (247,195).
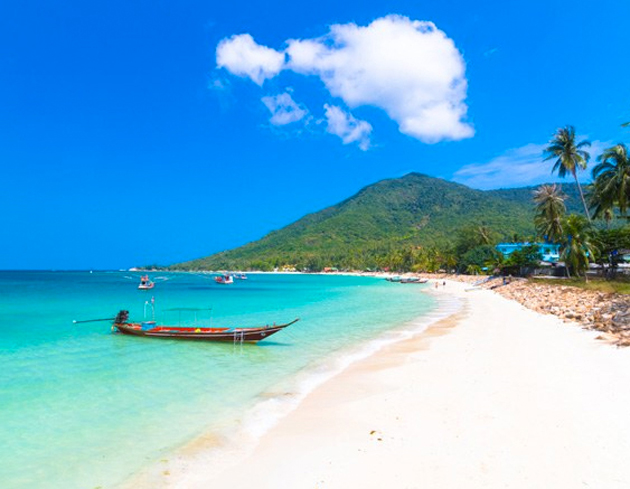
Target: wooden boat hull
(235,335)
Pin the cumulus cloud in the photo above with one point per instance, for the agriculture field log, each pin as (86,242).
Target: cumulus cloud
(283,109)
(518,167)
(410,69)
(242,56)
(347,127)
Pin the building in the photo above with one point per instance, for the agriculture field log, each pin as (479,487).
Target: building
(549,252)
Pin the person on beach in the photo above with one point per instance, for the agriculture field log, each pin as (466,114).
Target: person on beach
(437,284)
(444,284)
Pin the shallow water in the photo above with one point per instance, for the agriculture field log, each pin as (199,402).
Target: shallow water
(84,408)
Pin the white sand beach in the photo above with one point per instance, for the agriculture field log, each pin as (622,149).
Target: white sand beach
(497,396)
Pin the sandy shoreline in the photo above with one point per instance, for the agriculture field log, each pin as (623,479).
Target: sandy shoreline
(494,396)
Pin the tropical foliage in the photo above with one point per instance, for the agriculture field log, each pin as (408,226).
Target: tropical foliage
(522,260)
(611,187)
(480,258)
(582,241)
(550,210)
(569,157)
(578,244)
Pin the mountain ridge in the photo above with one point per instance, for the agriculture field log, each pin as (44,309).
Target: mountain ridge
(415,210)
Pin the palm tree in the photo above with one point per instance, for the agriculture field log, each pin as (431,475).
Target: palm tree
(612,180)
(495,263)
(485,235)
(569,157)
(550,210)
(578,246)
(609,214)
(601,200)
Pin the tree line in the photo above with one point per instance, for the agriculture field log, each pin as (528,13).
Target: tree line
(582,240)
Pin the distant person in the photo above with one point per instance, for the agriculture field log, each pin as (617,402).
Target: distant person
(437,284)
(444,284)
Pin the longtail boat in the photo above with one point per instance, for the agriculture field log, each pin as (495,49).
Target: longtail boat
(150,329)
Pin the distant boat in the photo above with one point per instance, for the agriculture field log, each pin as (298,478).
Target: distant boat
(145,283)
(393,279)
(224,279)
(414,280)
(240,276)
(149,329)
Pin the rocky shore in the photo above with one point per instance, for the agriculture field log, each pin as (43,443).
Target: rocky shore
(605,312)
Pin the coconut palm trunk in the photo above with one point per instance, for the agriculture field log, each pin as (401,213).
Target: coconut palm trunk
(588,214)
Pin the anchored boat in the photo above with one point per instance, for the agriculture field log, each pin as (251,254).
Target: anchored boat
(145,283)
(224,279)
(150,329)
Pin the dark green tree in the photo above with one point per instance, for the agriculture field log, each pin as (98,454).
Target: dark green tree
(479,257)
(521,260)
(578,244)
(550,211)
(611,186)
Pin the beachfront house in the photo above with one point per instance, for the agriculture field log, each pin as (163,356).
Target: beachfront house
(549,252)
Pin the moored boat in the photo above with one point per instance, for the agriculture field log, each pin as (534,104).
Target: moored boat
(395,278)
(150,329)
(414,280)
(145,283)
(224,279)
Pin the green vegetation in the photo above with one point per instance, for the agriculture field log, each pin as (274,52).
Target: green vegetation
(578,244)
(611,185)
(550,209)
(569,157)
(400,224)
(582,241)
(619,286)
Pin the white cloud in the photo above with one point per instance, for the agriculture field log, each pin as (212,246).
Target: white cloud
(242,56)
(283,109)
(347,127)
(519,167)
(408,68)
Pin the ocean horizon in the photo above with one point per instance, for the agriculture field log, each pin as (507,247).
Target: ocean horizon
(83,407)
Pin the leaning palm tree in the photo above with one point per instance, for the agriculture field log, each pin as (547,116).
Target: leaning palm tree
(578,244)
(611,187)
(569,157)
(550,210)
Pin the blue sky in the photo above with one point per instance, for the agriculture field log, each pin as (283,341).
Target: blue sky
(153,131)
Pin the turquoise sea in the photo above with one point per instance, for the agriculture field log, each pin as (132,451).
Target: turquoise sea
(81,407)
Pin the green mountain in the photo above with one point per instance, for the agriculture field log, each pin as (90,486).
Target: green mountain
(396,214)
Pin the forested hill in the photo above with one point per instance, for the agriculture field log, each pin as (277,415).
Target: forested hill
(409,212)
